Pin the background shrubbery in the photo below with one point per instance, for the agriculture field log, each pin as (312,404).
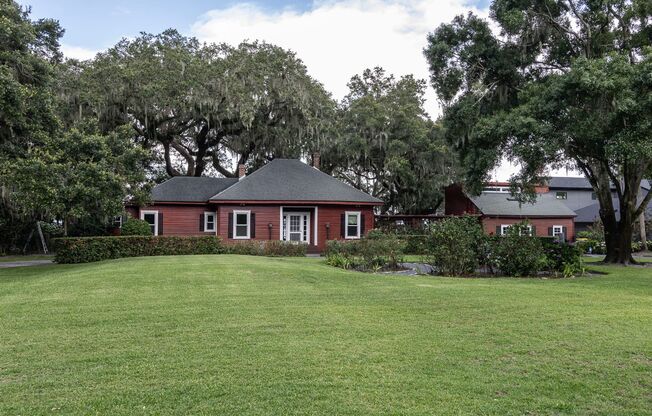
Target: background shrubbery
(458,246)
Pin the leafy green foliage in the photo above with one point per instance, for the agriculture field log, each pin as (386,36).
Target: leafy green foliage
(134,226)
(454,245)
(90,249)
(517,253)
(387,146)
(80,175)
(372,253)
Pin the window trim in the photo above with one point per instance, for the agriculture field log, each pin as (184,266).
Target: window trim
(214,215)
(346,224)
(561,230)
(558,193)
(142,217)
(235,225)
(117,219)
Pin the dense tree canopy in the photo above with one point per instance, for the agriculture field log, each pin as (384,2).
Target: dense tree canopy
(49,173)
(387,145)
(565,82)
(199,106)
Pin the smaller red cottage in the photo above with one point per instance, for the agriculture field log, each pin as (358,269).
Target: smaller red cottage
(498,210)
(284,200)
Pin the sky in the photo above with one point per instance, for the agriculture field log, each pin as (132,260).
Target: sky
(336,39)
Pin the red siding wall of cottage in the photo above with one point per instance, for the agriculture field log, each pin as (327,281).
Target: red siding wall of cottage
(266,214)
(541,224)
(179,219)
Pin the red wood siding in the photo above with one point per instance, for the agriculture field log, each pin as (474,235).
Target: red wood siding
(457,203)
(265,214)
(180,219)
(541,224)
(329,214)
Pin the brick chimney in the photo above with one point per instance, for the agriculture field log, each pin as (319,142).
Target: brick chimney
(241,170)
(316,158)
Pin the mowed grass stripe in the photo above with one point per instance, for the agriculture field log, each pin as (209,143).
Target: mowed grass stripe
(254,335)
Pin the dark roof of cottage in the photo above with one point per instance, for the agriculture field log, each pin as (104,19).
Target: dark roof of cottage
(292,180)
(190,189)
(503,204)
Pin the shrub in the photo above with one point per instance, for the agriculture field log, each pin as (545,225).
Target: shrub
(563,257)
(373,252)
(135,226)
(517,253)
(89,249)
(453,245)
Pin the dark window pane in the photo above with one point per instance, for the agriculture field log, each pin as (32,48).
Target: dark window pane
(241,231)
(241,219)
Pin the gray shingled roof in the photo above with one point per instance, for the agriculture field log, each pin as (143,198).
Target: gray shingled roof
(292,180)
(501,204)
(190,189)
(562,182)
(590,213)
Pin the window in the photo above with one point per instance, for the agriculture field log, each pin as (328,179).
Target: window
(352,225)
(209,221)
(241,224)
(557,230)
(561,195)
(496,189)
(152,219)
(117,221)
(594,196)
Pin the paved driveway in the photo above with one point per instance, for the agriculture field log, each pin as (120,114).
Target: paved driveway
(10,264)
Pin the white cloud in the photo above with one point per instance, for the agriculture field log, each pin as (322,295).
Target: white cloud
(76,52)
(338,39)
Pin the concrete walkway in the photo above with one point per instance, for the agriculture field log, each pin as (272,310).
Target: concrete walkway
(10,264)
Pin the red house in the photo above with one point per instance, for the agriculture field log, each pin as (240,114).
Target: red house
(284,200)
(498,211)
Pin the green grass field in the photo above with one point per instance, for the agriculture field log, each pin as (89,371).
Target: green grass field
(253,335)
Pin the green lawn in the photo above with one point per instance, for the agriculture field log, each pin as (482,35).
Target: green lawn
(252,335)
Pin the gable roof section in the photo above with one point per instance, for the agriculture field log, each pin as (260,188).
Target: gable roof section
(497,204)
(292,180)
(190,189)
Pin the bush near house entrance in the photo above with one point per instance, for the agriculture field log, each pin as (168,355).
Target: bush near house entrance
(135,226)
(270,248)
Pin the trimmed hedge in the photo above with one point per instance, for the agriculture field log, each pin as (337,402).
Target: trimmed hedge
(89,249)
(375,252)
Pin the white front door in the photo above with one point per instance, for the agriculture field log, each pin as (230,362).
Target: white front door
(296,227)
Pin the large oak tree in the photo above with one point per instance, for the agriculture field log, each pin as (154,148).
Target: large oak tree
(564,82)
(203,106)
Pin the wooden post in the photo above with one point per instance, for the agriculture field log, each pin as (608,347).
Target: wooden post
(40,233)
(641,223)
